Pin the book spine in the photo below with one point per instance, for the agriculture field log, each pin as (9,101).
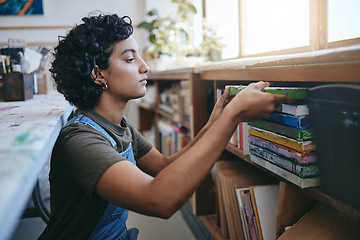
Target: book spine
(300,170)
(293,92)
(301,182)
(300,158)
(295,110)
(302,122)
(300,146)
(297,134)
(244,222)
(256,213)
(246,138)
(250,216)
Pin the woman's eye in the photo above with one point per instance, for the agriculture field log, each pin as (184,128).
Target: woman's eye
(130,59)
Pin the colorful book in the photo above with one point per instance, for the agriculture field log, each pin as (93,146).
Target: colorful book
(254,235)
(302,122)
(301,158)
(295,133)
(291,177)
(244,222)
(303,171)
(265,200)
(292,109)
(293,92)
(300,146)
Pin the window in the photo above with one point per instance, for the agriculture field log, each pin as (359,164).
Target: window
(224,15)
(268,27)
(343,19)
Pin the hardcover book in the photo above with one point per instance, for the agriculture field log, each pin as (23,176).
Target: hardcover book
(244,222)
(291,177)
(295,133)
(303,171)
(292,109)
(250,215)
(301,158)
(296,93)
(300,146)
(265,200)
(302,122)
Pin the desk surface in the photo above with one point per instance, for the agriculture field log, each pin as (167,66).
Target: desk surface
(28,131)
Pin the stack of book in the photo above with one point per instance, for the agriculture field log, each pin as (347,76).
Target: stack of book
(172,137)
(175,101)
(284,142)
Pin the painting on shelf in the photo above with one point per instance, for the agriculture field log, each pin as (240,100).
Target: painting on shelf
(21,7)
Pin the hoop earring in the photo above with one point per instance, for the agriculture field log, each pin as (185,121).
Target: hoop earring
(105,87)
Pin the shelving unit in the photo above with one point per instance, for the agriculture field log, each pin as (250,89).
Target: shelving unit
(150,115)
(301,70)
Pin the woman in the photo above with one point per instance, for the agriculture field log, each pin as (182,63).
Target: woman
(100,164)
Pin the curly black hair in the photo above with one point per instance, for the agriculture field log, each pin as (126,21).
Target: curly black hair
(86,45)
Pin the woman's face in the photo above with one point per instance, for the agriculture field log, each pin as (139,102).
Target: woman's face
(126,74)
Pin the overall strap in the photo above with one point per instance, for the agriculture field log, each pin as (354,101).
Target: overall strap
(88,121)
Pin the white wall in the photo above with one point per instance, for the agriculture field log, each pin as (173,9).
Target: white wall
(67,13)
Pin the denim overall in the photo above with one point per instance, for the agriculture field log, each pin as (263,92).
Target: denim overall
(112,224)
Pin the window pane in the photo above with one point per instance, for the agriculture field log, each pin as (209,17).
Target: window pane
(274,25)
(225,15)
(343,19)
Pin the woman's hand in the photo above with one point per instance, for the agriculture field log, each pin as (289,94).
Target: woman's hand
(219,107)
(252,104)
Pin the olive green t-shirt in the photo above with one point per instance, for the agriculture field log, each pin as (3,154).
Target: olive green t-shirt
(80,156)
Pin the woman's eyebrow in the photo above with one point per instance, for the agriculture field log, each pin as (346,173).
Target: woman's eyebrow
(128,50)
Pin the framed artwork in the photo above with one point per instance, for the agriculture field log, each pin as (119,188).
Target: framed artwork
(21,7)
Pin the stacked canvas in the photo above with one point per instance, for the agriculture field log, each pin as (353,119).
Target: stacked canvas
(284,142)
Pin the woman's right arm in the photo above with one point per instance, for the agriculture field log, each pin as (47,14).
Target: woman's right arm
(171,188)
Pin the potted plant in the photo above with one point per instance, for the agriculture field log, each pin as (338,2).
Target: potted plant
(168,34)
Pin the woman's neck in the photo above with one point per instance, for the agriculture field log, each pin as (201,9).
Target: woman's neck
(111,111)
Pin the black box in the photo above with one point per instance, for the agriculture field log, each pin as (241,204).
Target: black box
(18,86)
(335,112)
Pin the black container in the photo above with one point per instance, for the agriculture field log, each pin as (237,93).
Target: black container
(335,112)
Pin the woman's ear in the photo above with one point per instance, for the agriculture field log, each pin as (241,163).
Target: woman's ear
(97,76)
(94,72)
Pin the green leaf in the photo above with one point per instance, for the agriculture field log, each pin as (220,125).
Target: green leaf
(152,38)
(145,25)
(191,7)
(153,12)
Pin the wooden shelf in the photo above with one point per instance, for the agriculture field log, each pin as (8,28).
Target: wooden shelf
(314,192)
(309,69)
(146,106)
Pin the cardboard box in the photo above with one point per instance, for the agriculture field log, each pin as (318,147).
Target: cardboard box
(17,86)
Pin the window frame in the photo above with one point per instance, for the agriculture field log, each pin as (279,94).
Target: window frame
(318,31)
